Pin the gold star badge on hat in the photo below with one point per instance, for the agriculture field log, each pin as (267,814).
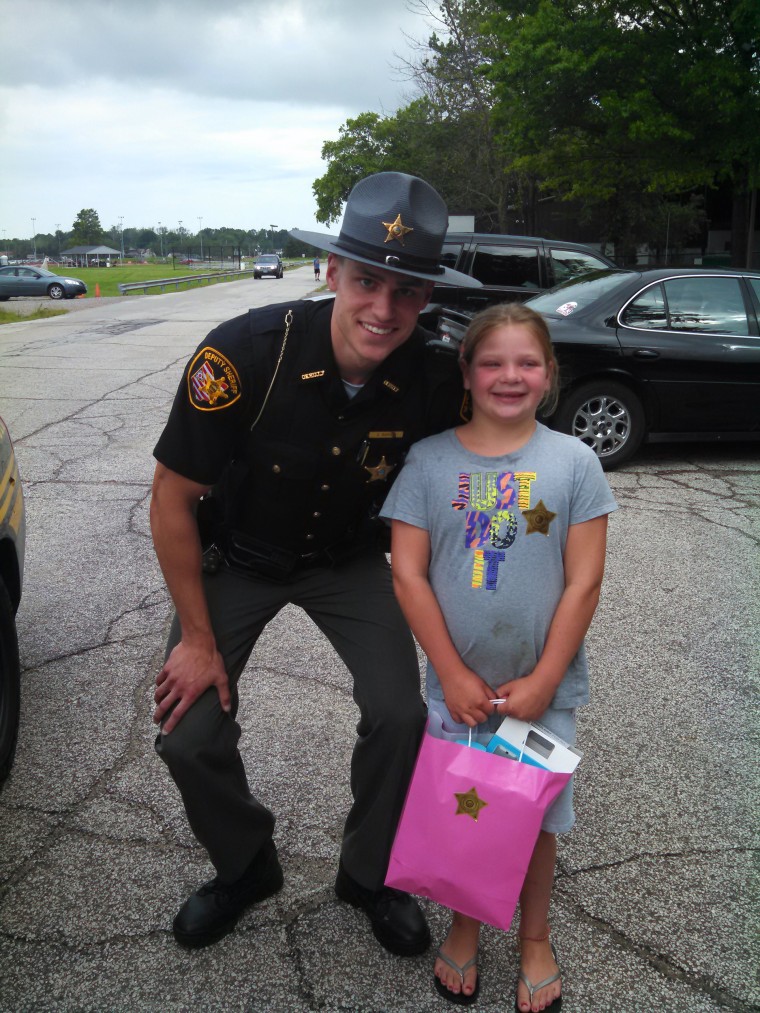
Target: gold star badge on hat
(468,803)
(538,518)
(396,230)
(380,471)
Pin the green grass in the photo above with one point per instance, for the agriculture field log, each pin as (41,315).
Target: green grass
(108,279)
(9,317)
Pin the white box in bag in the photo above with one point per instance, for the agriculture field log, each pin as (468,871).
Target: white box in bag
(530,742)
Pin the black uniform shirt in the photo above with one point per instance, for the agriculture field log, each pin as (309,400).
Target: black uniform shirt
(315,469)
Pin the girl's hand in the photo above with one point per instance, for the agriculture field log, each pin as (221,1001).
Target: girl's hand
(468,699)
(526,698)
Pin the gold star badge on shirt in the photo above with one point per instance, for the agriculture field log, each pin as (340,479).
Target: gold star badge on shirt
(380,471)
(469,804)
(396,230)
(539,518)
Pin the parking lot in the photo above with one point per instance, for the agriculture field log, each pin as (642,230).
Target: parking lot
(655,905)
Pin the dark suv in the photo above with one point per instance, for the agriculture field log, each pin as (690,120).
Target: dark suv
(511,268)
(268,265)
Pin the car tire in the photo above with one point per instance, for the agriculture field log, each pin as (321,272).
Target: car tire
(605,415)
(57,292)
(4,298)
(10,684)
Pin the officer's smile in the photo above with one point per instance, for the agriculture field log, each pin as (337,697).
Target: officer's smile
(393,302)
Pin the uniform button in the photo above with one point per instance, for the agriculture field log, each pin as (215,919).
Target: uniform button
(336,451)
(310,538)
(276,469)
(325,487)
(316,514)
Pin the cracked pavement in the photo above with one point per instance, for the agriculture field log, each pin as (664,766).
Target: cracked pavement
(655,904)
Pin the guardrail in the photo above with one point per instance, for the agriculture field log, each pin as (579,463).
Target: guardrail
(163,283)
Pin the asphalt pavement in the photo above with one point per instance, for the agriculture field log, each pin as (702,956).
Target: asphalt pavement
(655,902)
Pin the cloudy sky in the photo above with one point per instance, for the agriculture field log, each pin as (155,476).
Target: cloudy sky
(170,110)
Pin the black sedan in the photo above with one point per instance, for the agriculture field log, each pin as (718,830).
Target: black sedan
(22,280)
(655,354)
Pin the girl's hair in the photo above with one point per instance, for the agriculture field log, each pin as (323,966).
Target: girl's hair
(514,313)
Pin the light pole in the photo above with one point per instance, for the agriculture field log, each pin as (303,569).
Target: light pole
(58,235)
(179,233)
(200,235)
(34,237)
(121,230)
(161,240)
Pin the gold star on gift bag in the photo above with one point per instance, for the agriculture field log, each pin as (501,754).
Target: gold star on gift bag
(469,803)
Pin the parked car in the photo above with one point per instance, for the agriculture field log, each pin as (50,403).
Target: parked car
(651,355)
(22,280)
(511,268)
(268,265)
(12,532)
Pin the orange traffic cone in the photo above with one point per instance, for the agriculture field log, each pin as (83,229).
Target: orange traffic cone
(97,290)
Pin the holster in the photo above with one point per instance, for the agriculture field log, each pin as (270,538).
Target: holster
(252,556)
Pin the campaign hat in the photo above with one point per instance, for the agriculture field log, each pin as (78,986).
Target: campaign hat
(397,222)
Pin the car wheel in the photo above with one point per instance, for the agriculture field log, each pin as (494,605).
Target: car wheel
(10,684)
(606,416)
(4,298)
(56,292)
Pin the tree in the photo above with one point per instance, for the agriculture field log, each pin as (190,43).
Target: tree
(620,104)
(443,135)
(87,230)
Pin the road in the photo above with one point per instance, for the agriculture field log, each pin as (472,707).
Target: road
(654,905)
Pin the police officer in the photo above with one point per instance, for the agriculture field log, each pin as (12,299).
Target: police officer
(297,417)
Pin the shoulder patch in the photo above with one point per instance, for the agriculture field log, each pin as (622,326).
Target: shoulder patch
(212,381)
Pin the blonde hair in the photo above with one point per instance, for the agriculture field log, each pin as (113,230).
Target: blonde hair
(502,315)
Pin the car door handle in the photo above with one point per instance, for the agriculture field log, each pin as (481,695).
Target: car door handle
(646,353)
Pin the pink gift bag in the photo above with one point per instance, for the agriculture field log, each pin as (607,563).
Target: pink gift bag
(468,828)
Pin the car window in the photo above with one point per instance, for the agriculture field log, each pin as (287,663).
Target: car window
(572,263)
(24,272)
(516,266)
(450,254)
(647,310)
(708,305)
(755,286)
(6,272)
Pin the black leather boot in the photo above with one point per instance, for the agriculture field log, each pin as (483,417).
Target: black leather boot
(211,912)
(397,921)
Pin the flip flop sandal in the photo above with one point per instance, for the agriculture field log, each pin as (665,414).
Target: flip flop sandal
(555,1006)
(458,998)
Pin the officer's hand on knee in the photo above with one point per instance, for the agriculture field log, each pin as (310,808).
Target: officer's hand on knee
(187,673)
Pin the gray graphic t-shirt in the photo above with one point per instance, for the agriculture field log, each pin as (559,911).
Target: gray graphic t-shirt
(498,528)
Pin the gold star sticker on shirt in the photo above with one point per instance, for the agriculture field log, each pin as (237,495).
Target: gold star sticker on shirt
(380,471)
(469,803)
(396,230)
(539,518)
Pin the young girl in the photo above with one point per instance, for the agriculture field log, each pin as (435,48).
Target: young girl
(498,544)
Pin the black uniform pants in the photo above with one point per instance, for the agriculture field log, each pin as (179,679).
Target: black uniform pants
(356,609)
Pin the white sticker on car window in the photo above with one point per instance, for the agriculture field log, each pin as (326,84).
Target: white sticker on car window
(567,308)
